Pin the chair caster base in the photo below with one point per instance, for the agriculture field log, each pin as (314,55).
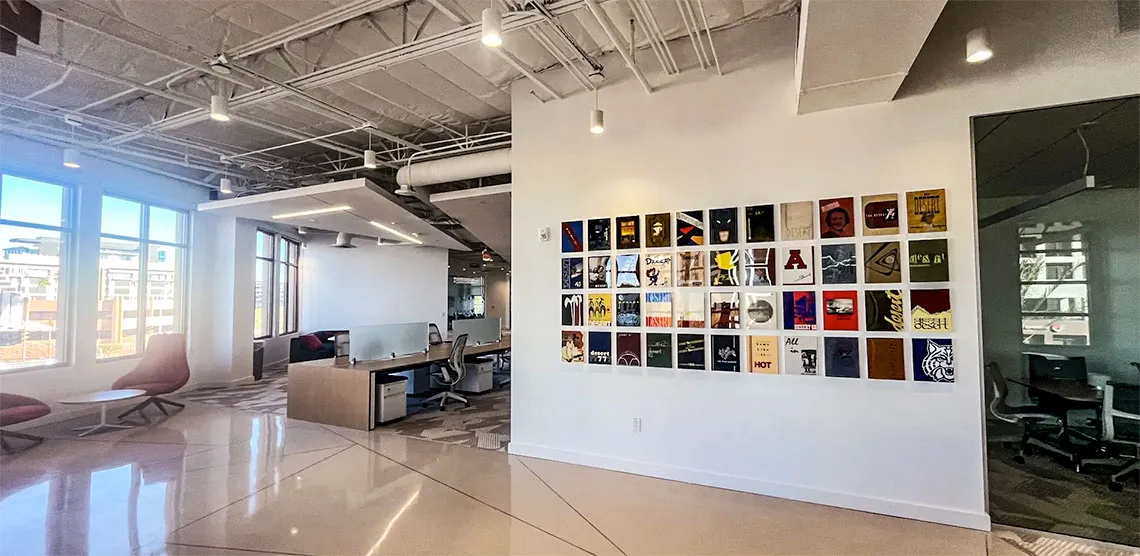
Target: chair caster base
(1115,486)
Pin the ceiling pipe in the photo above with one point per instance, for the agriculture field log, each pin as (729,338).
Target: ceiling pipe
(612,34)
(456,168)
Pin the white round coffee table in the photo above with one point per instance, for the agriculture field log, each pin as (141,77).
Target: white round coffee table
(102,398)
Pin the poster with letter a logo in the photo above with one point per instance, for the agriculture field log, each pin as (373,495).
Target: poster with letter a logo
(763,355)
(797,267)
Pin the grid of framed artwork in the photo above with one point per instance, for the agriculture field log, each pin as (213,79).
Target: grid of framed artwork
(830,287)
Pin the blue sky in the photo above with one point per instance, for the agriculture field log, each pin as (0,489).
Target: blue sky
(27,200)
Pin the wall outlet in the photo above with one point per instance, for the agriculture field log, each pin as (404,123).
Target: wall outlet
(544,234)
(637,424)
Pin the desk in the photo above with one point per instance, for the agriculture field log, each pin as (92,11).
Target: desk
(1058,396)
(336,392)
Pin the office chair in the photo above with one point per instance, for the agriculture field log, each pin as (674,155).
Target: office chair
(1025,415)
(450,374)
(1120,421)
(434,337)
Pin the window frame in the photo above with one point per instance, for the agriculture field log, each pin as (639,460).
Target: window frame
(1086,282)
(182,291)
(66,317)
(271,282)
(292,310)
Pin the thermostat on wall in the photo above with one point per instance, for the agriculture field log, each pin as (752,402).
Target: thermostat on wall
(544,234)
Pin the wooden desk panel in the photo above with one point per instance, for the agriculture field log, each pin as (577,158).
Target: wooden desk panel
(325,391)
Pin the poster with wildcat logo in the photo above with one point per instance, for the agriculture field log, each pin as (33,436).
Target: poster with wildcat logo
(933,360)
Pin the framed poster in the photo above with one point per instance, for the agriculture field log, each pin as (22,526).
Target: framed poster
(690,309)
(691,351)
(885,359)
(760,223)
(659,309)
(841,310)
(760,310)
(797,267)
(690,228)
(933,359)
(629,271)
(929,260)
(600,309)
(882,263)
(723,226)
(926,211)
(572,346)
(599,234)
(658,269)
(930,311)
(836,218)
(572,273)
(724,268)
(881,214)
(884,310)
(841,357)
(837,263)
(658,230)
(799,310)
(691,269)
(572,236)
(760,266)
(629,349)
(724,310)
(726,353)
(763,355)
(598,269)
(628,232)
(801,355)
(601,348)
(659,350)
(628,309)
(572,309)
(797,222)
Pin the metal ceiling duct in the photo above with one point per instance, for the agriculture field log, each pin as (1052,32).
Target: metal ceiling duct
(455,168)
(343,241)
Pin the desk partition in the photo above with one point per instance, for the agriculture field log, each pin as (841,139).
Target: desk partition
(366,343)
(479,331)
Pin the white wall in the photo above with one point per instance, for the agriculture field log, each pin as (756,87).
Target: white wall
(1114,282)
(83,373)
(497,289)
(906,449)
(372,285)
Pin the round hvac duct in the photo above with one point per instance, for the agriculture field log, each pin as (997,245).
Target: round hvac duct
(343,241)
(456,168)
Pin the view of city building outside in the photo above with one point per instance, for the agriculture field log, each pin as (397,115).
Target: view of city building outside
(1054,284)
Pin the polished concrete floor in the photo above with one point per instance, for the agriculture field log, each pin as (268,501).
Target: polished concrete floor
(211,480)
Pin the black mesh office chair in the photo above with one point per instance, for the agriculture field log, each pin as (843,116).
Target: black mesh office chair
(450,374)
(1121,422)
(1027,416)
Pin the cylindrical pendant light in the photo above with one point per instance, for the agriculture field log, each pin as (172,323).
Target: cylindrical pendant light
(226,186)
(370,158)
(597,121)
(978,46)
(492,28)
(219,108)
(70,158)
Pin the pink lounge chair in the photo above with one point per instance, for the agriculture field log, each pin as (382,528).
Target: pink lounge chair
(15,409)
(162,370)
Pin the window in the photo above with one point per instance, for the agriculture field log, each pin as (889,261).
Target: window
(35,235)
(142,261)
(275,285)
(263,286)
(288,254)
(1054,284)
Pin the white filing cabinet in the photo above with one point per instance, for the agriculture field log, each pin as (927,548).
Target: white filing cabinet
(477,377)
(391,398)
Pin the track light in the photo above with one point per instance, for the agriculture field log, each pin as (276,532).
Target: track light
(219,108)
(326,210)
(492,28)
(301,230)
(71,158)
(370,159)
(226,186)
(978,46)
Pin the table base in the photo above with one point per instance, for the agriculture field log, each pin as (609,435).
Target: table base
(103,424)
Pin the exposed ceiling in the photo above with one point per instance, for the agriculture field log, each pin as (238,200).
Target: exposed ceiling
(366,202)
(1036,151)
(312,83)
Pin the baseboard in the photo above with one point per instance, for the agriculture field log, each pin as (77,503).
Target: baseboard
(908,510)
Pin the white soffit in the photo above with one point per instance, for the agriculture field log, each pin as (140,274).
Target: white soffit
(366,199)
(853,53)
(484,211)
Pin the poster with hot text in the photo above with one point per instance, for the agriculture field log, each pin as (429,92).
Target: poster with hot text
(763,354)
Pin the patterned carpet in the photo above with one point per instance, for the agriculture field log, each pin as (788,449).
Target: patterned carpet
(485,424)
(1045,495)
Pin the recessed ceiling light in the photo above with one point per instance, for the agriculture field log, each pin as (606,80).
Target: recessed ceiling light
(326,210)
(394,231)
